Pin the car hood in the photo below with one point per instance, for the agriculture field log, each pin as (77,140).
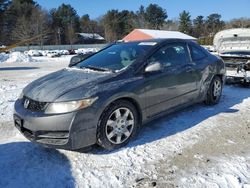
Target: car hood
(54,85)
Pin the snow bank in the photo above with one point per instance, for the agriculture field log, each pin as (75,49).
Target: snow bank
(86,50)
(3,57)
(15,57)
(18,57)
(33,53)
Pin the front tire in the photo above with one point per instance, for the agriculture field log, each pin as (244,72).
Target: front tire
(214,91)
(119,123)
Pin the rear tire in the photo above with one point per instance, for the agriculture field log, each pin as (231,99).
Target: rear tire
(118,124)
(214,91)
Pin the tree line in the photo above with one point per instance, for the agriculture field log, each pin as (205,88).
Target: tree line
(24,19)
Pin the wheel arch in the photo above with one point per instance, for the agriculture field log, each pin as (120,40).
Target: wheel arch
(221,76)
(128,98)
(135,104)
(99,133)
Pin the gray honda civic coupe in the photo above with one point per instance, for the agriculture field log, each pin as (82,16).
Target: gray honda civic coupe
(105,97)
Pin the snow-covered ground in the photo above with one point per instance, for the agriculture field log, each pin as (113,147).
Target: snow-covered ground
(201,146)
(28,56)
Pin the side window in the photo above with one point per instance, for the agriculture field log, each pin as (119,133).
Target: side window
(196,53)
(171,55)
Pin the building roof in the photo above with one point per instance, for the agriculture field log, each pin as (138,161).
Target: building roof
(91,36)
(142,34)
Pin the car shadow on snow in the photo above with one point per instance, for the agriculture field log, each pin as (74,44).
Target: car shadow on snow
(17,68)
(25,164)
(182,120)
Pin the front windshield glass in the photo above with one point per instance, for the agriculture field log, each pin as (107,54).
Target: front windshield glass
(117,56)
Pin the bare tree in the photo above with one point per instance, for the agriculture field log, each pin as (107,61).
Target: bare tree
(71,33)
(171,25)
(35,25)
(238,23)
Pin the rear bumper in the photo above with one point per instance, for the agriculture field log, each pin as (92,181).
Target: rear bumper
(71,131)
(234,76)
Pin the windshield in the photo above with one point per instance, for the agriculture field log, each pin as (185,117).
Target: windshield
(117,56)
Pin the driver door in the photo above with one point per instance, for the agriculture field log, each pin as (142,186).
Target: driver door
(173,85)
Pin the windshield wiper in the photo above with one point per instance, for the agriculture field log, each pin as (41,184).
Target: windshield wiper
(97,68)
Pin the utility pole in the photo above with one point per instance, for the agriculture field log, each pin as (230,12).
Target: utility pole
(59,35)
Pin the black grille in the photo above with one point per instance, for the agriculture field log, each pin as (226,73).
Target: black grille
(34,105)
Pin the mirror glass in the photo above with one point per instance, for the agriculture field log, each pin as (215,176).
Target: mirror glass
(78,58)
(153,67)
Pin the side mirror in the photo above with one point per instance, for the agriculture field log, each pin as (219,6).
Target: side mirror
(74,60)
(153,67)
(78,58)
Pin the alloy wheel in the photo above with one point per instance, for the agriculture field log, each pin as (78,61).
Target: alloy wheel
(119,126)
(217,86)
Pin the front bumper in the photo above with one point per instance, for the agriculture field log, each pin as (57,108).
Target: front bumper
(72,130)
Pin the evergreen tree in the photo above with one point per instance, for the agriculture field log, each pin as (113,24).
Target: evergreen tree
(89,26)
(185,22)
(3,6)
(155,16)
(65,23)
(199,26)
(110,22)
(118,24)
(214,24)
(140,18)
(85,24)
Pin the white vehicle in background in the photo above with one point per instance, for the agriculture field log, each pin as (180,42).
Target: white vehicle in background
(44,52)
(64,52)
(53,54)
(233,46)
(209,48)
(34,53)
(86,50)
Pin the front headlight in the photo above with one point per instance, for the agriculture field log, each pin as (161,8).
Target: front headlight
(21,95)
(64,107)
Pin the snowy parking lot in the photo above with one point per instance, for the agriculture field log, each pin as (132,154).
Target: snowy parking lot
(201,146)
